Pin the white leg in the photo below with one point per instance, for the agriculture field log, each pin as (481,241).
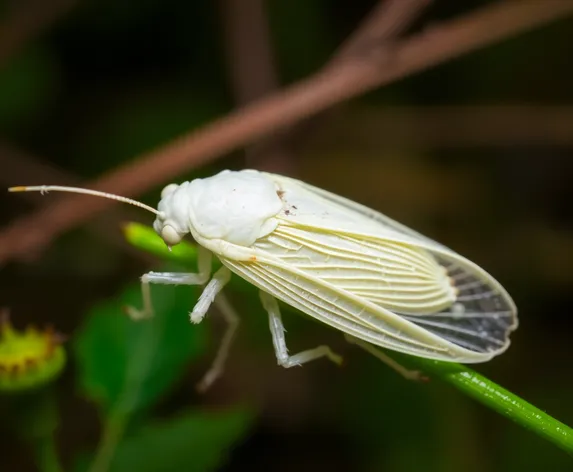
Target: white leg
(407,373)
(218,365)
(215,285)
(277,331)
(170,278)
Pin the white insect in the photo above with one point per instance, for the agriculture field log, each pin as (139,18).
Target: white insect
(346,265)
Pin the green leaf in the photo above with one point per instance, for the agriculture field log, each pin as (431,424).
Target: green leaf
(146,238)
(196,440)
(126,365)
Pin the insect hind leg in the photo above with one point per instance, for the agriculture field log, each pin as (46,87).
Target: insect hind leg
(403,371)
(218,365)
(278,334)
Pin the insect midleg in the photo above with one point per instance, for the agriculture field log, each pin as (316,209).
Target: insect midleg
(215,285)
(218,365)
(170,278)
(403,371)
(278,333)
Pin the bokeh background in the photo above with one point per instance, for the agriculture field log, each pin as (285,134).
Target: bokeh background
(476,153)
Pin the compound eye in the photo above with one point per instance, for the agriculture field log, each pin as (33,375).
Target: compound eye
(170,236)
(168,189)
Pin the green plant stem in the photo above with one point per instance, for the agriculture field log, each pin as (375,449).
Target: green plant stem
(500,400)
(46,455)
(114,429)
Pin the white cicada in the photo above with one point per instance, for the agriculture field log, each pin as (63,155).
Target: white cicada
(344,264)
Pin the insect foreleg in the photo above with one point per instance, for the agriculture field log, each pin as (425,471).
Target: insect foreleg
(215,285)
(218,365)
(170,278)
(278,333)
(408,374)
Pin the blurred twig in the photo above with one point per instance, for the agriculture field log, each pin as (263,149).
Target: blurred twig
(336,84)
(376,34)
(388,20)
(249,51)
(362,128)
(253,75)
(252,68)
(26,20)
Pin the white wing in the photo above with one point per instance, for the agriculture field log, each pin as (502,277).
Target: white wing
(478,318)
(347,312)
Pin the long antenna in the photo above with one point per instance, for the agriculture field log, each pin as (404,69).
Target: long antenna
(57,188)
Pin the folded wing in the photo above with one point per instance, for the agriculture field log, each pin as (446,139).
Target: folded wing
(359,252)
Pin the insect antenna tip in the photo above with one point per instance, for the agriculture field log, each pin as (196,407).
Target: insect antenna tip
(20,188)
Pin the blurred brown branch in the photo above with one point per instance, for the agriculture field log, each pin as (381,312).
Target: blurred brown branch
(387,21)
(26,20)
(362,128)
(253,75)
(248,47)
(377,33)
(349,79)
(252,69)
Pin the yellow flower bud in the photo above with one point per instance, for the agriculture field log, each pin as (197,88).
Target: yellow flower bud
(28,359)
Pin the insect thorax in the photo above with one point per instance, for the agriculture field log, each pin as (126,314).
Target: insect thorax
(237,207)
